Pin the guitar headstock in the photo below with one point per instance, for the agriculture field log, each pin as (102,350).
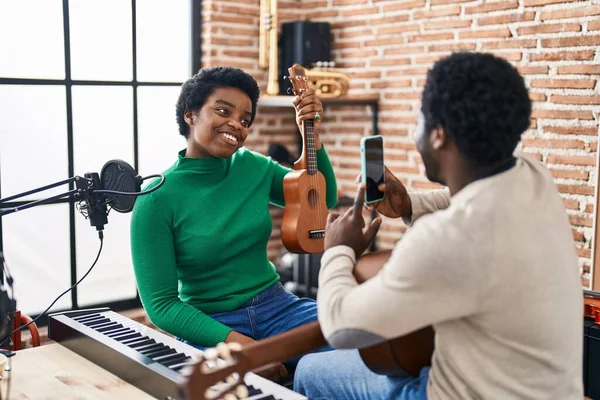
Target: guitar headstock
(217,374)
(298,79)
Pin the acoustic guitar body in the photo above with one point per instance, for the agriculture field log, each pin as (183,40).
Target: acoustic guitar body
(305,213)
(404,354)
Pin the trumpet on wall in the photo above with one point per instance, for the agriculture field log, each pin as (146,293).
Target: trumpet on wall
(327,82)
(268,52)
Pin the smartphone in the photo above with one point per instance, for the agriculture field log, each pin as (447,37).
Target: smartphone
(373,170)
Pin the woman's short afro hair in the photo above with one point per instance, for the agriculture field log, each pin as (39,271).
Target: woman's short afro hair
(199,87)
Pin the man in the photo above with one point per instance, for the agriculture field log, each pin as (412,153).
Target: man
(490,262)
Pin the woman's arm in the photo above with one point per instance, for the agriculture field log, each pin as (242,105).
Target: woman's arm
(154,264)
(325,167)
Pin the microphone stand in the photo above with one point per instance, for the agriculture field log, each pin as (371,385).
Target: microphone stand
(6,211)
(94,207)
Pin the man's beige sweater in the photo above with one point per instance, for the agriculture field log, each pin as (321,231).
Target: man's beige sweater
(494,270)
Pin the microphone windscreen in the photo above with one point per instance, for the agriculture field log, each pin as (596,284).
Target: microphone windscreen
(119,176)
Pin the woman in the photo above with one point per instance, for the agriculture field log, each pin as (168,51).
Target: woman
(199,243)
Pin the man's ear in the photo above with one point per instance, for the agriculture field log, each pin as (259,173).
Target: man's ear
(188,116)
(438,138)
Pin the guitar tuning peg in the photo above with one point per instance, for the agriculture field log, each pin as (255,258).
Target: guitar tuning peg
(241,391)
(289,91)
(285,77)
(235,346)
(211,354)
(223,349)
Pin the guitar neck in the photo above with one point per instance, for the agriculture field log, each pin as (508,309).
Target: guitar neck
(285,346)
(308,158)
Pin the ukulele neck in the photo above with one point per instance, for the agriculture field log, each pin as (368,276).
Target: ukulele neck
(308,158)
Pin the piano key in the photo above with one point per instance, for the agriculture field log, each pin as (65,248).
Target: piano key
(112,327)
(127,336)
(252,391)
(90,320)
(86,317)
(142,344)
(96,322)
(145,347)
(176,366)
(159,353)
(105,324)
(173,359)
(152,348)
(133,341)
(118,332)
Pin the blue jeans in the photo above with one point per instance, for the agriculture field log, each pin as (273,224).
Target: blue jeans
(269,313)
(342,375)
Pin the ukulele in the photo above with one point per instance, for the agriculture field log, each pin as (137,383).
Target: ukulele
(221,370)
(305,213)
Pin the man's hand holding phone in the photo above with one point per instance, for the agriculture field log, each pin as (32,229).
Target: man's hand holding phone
(396,201)
(384,192)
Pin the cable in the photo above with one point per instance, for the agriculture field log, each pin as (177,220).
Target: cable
(116,192)
(101,236)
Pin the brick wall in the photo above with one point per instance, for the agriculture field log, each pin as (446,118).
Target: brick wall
(386,47)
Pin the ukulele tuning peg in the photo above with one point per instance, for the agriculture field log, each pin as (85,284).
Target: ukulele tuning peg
(289,91)
(285,77)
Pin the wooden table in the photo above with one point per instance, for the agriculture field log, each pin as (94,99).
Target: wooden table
(55,372)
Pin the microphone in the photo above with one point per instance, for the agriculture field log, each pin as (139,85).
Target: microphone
(116,187)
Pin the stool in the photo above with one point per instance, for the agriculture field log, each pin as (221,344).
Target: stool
(19,320)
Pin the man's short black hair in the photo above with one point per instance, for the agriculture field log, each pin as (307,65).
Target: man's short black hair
(481,102)
(199,87)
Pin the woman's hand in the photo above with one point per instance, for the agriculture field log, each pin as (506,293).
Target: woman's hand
(275,373)
(308,106)
(396,201)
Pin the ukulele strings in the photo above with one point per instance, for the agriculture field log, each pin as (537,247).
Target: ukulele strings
(312,163)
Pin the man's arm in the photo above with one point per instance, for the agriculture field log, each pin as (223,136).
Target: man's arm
(427,202)
(428,265)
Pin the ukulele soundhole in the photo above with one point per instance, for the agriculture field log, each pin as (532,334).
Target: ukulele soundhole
(313,198)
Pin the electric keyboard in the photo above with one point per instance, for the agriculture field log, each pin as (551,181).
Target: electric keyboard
(142,356)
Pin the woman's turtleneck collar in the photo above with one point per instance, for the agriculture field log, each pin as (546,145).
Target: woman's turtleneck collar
(201,164)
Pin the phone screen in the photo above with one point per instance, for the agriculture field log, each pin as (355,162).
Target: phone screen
(374,169)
